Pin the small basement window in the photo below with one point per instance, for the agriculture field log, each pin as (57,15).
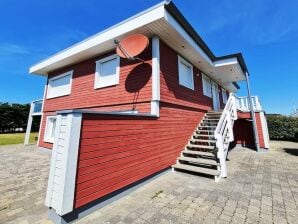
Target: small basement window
(224,95)
(185,70)
(206,86)
(49,133)
(107,71)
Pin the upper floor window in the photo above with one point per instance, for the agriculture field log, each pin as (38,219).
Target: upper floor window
(224,95)
(107,71)
(59,85)
(50,129)
(185,71)
(207,91)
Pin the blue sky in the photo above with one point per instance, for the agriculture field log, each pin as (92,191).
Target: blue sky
(266,32)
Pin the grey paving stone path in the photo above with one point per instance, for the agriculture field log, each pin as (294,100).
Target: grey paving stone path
(261,188)
(23,180)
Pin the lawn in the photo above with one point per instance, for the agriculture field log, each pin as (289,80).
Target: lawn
(16,138)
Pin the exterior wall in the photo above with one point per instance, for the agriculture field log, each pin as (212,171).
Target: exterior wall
(132,93)
(116,151)
(171,91)
(243,130)
(260,130)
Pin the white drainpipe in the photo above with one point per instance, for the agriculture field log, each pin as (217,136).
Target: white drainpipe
(155,77)
(252,111)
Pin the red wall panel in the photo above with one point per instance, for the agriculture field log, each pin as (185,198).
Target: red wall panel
(118,150)
(243,132)
(260,130)
(243,129)
(132,93)
(171,91)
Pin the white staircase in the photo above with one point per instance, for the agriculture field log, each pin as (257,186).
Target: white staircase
(207,148)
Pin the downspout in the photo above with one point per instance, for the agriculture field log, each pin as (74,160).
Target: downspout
(252,112)
(155,77)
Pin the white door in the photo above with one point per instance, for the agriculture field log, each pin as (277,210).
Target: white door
(215,96)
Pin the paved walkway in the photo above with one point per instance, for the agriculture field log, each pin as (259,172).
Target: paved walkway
(261,188)
(23,181)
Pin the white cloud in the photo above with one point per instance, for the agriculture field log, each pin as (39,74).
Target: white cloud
(10,49)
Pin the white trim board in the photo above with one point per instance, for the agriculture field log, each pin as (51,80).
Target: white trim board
(61,183)
(137,21)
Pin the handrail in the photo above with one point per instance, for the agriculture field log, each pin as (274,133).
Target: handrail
(224,133)
(243,103)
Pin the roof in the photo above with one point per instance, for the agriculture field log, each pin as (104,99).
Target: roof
(191,31)
(154,21)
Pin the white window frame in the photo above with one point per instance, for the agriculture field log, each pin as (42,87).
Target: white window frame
(46,136)
(224,95)
(99,81)
(186,63)
(50,96)
(206,91)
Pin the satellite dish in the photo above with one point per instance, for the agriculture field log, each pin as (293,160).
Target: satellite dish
(132,46)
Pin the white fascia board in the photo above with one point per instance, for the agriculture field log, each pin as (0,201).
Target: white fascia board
(172,21)
(225,62)
(137,21)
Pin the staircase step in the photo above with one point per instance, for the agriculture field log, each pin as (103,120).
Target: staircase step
(196,169)
(201,135)
(199,160)
(198,153)
(213,113)
(200,146)
(201,130)
(203,140)
(211,119)
(207,126)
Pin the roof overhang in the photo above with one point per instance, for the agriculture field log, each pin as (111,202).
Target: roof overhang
(165,21)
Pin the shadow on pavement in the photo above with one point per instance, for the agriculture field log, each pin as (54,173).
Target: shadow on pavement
(291,151)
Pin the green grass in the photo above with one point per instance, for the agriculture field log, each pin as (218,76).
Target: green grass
(16,138)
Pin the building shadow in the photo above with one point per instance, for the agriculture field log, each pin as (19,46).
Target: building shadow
(291,151)
(137,79)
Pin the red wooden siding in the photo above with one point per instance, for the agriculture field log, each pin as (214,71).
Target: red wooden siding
(171,91)
(260,130)
(243,115)
(132,92)
(243,129)
(243,132)
(116,151)
(134,86)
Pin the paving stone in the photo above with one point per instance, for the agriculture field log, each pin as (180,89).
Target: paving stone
(261,187)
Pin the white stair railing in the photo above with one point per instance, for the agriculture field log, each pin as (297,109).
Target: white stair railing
(224,133)
(243,103)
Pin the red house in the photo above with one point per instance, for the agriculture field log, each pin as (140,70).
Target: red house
(112,122)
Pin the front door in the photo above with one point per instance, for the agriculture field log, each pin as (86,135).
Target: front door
(215,96)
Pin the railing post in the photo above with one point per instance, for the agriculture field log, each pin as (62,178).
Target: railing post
(221,155)
(29,124)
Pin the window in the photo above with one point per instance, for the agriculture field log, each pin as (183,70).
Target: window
(49,133)
(107,71)
(59,85)
(206,86)
(185,73)
(224,95)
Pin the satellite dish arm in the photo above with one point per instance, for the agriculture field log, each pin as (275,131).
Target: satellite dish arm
(124,51)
